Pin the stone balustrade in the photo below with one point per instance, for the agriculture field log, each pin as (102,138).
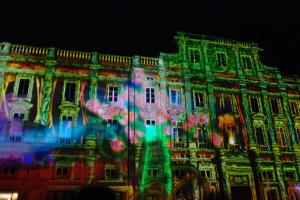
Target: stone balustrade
(149,61)
(105,58)
(28,50)
(76,55)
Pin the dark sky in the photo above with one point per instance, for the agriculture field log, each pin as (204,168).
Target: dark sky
(148,27)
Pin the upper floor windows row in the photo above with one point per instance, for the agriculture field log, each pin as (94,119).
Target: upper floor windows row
(221,58)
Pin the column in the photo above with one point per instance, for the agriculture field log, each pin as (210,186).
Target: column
(247,115)
(47,88)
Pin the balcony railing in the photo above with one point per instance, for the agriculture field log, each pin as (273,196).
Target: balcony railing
(148,61)
(28,50)
(115,59)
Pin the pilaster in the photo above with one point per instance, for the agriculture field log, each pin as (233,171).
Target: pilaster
(47,88)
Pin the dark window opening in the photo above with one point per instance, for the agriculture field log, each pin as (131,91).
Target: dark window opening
(275,106)
(289,175)
(294,109)
(23,87)
(221,59)
(227,103)
(195,55)
(199,101)
(254,104)
(246,62)
(260,136)
(70,91)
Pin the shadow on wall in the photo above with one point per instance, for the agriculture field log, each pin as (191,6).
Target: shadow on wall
(96,192)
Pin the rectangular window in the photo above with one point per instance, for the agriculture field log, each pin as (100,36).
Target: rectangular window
(290,175)
(23,87)
(297,130)
(198,100)
(227,103)
(246,62)
(111,122)
(153,172)
(274,105)
(113,93)
(293,107)
(260,136)
(70,90)
(205,174)
(16,127)
(150,96)
(271,194)
(65,131)
(180,173)
(281,137)
(195,55)
(202,139)
(254,104)
(175,97)
(111,173)
(62,172)
(267,175)
(221,59)
(8,170)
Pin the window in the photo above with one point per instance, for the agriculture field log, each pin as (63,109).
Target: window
(23,87)
(202,136)
(293,106)
(254,104)
(274,105)
(205,173)
(16,127)
(260,136)
(267,175)
(180,173)
(289,175)
(175,97)
(150,96)
(221,57)
(62,172)
(198,99)
(8,170)
(111,173)
(70,90)
(153,172)
(271,194)
(111,122)
(246,62)
(150,78)
(113,93)
(297,130)
(177,131)
(227,103)
(65,132)
(281,136)
(195,55)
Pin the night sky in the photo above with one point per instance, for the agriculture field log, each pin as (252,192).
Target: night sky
(148,27)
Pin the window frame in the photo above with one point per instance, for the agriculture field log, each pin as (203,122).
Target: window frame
(245,64)
(201,104)
(76,92)
(29,90)
(114,96)
(151,95)
(225,58)
(178,98)
(193,57)
(258,100)
(278,103)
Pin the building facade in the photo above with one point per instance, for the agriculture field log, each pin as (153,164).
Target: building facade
(207,122)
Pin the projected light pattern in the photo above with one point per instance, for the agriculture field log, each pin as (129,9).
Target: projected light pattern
(196,124)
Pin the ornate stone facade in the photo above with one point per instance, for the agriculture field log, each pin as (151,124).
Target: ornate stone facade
(207,122)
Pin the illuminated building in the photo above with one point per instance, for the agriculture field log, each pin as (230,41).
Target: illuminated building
(207,122)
